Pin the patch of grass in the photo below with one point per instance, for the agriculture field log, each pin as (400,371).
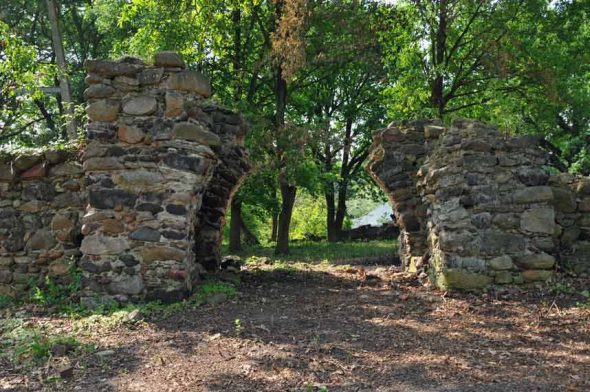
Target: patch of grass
(279,265)
(211,288)
(109,317)
(329,252)
(103,319)
(26,344)
(205,290)
(289,268)
(561,287)
(58,299)
(586,303)
(6,301)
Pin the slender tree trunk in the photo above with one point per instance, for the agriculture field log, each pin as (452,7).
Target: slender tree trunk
(275,226)
(46,115)
(340,210)
(330,214)
(437,94)
(235,226)
(288,193)
(343,183)
(329,196)
(64,81)
(275,217)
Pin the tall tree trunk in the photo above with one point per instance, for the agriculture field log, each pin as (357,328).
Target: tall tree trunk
(330,214)
(235,226)
(344,180)
(288,191)
(60,58)
(330,198)
(340,209)
(437,94)
(275,217)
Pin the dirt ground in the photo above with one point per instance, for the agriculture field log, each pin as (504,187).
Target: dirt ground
(333,328)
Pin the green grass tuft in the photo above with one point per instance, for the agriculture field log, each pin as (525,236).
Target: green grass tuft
(6,301)
(210,288)
(26,344)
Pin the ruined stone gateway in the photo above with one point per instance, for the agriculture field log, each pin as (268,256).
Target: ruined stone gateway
(140,208)
(476,207)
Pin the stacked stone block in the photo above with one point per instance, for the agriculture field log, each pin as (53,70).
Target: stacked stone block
(41,202)
(484,207)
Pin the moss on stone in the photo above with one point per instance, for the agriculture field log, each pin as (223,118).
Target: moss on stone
(536,275)
(460,279)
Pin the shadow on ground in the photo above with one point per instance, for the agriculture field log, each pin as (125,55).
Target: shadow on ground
(332,327)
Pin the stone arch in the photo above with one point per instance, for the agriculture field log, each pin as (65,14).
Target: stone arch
(476,207)
(396,155)
(229,174)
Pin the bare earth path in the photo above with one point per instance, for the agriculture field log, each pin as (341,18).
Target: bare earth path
(323,327)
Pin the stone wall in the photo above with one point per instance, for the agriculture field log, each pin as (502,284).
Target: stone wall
(477,208)
(142,208)
(41,202)
(158,154)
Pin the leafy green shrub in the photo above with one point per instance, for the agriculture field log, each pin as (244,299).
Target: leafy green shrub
(309,217)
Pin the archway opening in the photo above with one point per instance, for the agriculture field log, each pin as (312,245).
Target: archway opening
(369,236)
